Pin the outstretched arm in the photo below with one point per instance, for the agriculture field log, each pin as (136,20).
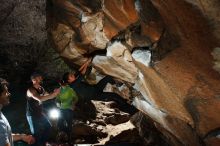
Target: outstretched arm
(29,139)
(32,93)
(83,68)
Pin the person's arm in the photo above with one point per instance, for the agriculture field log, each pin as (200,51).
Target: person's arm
(83,68)
(33,93)
(29,139)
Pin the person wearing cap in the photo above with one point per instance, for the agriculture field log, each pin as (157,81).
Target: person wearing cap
(6,136)
(38,122)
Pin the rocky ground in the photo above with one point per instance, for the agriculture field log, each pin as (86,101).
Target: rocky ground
(95,123)
(102,123)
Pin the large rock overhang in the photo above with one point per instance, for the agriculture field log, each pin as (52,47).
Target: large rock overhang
(169,51)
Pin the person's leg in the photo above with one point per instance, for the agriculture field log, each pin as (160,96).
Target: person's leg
(102,83)
(46,128)
(61,121)
(34,129)
(69,119)
(62,127)
(66,120)
(30,123)
(37,131)
(121,102)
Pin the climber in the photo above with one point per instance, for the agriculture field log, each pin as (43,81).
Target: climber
(95,92)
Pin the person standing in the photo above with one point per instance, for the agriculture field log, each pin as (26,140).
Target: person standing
(67,99)
(39,124)
(6,136)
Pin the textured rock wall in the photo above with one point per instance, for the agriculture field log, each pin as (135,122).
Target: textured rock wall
(22,34)
(167,50)
(23,41)
(22,22)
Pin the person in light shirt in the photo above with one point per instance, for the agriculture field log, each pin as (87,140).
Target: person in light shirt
(6,136)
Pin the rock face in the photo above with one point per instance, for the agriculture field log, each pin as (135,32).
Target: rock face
(22,27)
(22,22)
(23,42)
(167,50)
(108,126)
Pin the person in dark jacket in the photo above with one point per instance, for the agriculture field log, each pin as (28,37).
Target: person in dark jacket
(6,136)
(87,91)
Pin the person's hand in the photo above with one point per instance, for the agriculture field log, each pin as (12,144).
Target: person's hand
(56,91)
(29,139)
(89,60)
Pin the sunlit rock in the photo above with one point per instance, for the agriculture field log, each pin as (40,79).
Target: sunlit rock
(117,63)
(113,68)
(92,30)
(150,109)
(169,123)
(142,56)
(118,50)
(62,37)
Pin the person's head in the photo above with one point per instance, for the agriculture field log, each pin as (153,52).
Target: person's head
(36,78)
(4,94)
(69,77)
